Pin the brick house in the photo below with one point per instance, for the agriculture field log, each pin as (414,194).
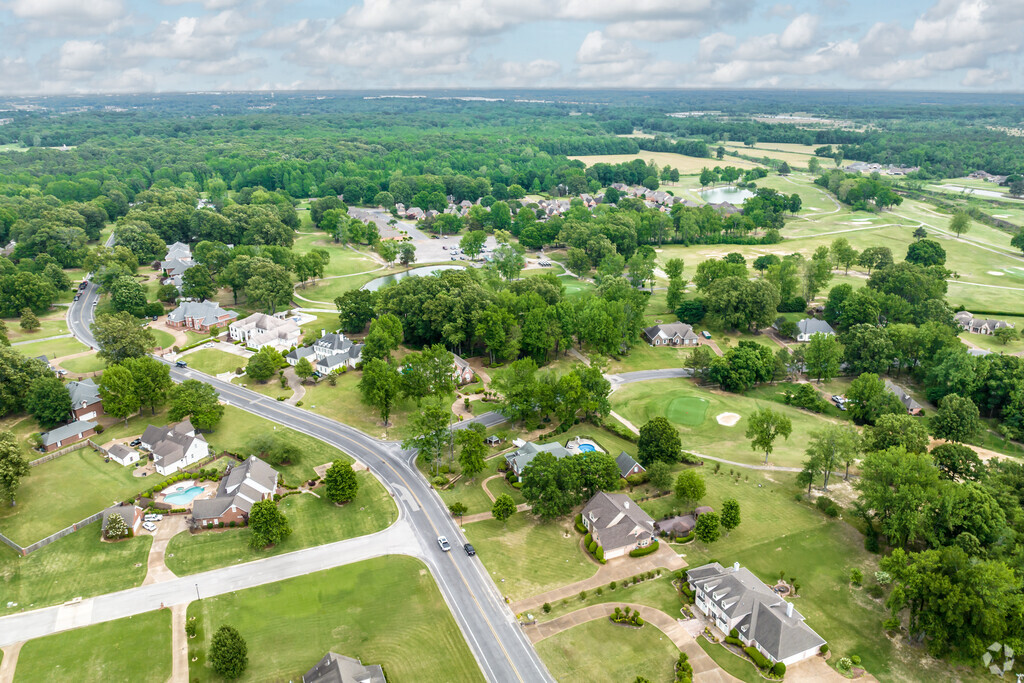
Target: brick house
(241,486)
(199,316)
(85,399)
(65,435)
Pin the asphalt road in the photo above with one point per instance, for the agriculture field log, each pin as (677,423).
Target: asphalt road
(80,313)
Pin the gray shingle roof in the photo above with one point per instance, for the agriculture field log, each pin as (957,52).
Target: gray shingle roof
(335,668)
(670,330)
(237,489)
(66,431)
(811,326)
(626,462)
(120,451)
(127,512)
(301,352)
(205,312)
(617,519)
(901,393)
(82,393)
(519,459)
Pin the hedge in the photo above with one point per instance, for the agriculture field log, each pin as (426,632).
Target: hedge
(646,550)
(734,641)
(779,669)
(579,524)
(587,539)
(600,554)
(759,659)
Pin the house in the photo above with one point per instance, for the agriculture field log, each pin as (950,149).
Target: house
(627,465)
(85,399)
(260,329)
(912,406)
(672,334)
(519,459)
(65,435)
(175,263)
(123,455)
(295,355)
(240,487)
(736,599)
(808,327)
(676,527)
(617,523)
(335,668)
(462,372)
(968,322)
(131,514)
(199,316)
(174,447)
(726,208)
(336,346)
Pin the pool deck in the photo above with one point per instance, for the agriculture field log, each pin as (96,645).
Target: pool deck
(209,491)
(573,446)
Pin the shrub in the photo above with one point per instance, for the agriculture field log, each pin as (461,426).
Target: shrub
(546,608)
(599,591)
(891,624)
(587,539)
(517,485)
(583,595)
(220,525)
(732,640)
(440,480)
(828,506)
(579,524)
(613,585)
(758,658)
(856,576)
(100,429)
(298,404)
(684,670)
(823,649)
(875,591)
(883,578)
(592,547)
(855,659)
(734,633)
(844,664)
(232,524)
(600,556)
(779,669)
(646,550)
(190,628)
(871,543)
(280,398)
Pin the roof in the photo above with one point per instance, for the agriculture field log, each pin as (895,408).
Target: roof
(626,463)
(617,519)
(169,444)
(66,431)
(178,250)
(519,459)
(83,393)
(681,524)
(255,470)
(334,342)
(240,487)
(811,326)
(670,330)
(300,352)
(120,451)
(264,328)
(175,267)
(906,399)
(128,513)
(205,312)
(335,668)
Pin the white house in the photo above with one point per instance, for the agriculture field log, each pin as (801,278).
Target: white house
(672,334)
(260,329)
(808,327)
(240,487)
(617,523)
(968,322)
(174,447)
(736,599)
(295,355)
(334,351)
(122,454)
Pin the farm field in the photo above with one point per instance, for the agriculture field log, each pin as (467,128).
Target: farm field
(685,164)
(290,625)
(600,650)
(793,154)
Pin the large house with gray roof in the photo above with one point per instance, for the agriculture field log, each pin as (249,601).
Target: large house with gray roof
(969,323)
(617,523)
(259,330)
(912,406)
(175,263)
(85,399)
(174,447)
(335,668)
(200,316)
(240,487)
(65,435)
(335,351)
(519,459)
(734,598)
(671,334)
(808,327)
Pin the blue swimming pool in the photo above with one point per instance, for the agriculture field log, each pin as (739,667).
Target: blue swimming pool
(183,497)
(586,448)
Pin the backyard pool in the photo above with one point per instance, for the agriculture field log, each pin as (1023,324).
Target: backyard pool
(579,444)
(183,496)
(586,448)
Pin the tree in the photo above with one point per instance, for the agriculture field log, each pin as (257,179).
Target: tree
(1017,188)
(472,450)
(388,250)
(784,169)
(831,447)
(764,427)
(48,401)
(116,526)
(268,525)
(875,257)
(167,293)
(960,222)
(957,419)
(29,321)
(13,466)
(690,487)
(4,340)
(503,508)
(867,348)
(708,527)
(119,393)
(152,381)
(822,356)
(958,462)
(273,448)
(355,309)
(509,260)
(304,369)
(128,294)
(22,289)
(264,364)
(869,399)
(659,440)
(1005,335)
(898,486)
(384,336)
(407,254)
(472,242)
(17,372)
(228,652)
(737,303)
(197,282)
(119,336)
(551,486)
(897,429)
(379,387)
(340,483)
(659,475)
(926,253)
(708,177)
(674,267)
(843,253)
(730,514)
(198,401)
(431,432)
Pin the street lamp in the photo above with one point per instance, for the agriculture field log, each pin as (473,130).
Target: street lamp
(197,592)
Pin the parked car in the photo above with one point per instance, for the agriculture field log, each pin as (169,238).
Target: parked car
(76,297)
(445,247)
(443,543)
(706,334)
(455,258)
(470,550)
(181,364)
(152,517)
(136,442)
(149,526)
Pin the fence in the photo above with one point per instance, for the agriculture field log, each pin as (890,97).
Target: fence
(64,451)
(52,537)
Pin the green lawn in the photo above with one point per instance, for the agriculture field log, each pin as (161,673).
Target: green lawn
(385,611)
(314,521)
(271,388)
(49,326)
(525,557)
(602,651)
(79,564)
(327,290)
(344,260)
(641,401)
(65,490)
(657,593)
(84,365)
(214,361)
(103,652)
(643,356)
(164,339)
(470,490)
(54,348)
(733,665)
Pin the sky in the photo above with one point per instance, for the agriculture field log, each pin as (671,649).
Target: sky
(87,46)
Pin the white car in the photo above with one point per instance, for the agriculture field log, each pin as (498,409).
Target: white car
(152,517)
(149,526)
(443,543)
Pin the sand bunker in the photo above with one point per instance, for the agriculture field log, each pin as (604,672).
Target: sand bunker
(728,419)
(996,272)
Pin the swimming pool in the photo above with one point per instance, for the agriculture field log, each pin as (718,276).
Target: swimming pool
(586,448)
(184,496)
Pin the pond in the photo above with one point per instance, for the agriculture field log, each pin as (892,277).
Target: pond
(733,195)
(376,283)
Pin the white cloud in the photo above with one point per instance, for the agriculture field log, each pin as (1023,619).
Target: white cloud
(82,55)
(800,32)
(183,39)
(984,78)
(212,5)
(67,10)
(597,49)
(519,74)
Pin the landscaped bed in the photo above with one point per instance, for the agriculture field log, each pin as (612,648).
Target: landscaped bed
(385,611)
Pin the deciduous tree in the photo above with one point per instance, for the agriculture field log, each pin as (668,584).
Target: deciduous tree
(503,508)
(228,652)
(268,525)
(340,483)
(730,514)
(198,401)
(690,488)
(48,401)
(472,450)
(764,427)
(957,419)
(708,529)
(119,336)
(659,440)
(379,387)
(13,466)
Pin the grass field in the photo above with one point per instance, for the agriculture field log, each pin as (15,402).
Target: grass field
(54,348)
(84,365)
(102,652)
(642,401)
(643,356)
(685,164)
(385,611)
(524,557)
(314,521)
(733,665)
(602,651)
(77,565)
(344,260)
(214,361)
(50,325)
(327,290)
(793,154)
(163,339)
(657,593)
(687,410)
(271,388)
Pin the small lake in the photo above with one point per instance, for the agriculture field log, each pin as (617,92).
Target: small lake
(733,195)
(376,283)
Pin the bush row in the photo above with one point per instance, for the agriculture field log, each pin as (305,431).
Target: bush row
(646,550)
(579,524)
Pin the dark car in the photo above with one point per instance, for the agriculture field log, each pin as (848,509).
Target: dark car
(181,364)
(136,442)
(470,550)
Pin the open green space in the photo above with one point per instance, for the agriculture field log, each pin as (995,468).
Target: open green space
(641,401)
(327,290)
(470,490)
(732,664)
(687,410)
(657,593)
(52,348)
(385,611)
(77,565)
(344,259)
(271,388)
(602,651)
(84,364)
(134,649)
(214,361)
(685,164)
(524,557)
(643,356)
(314,521)
(49,326)
(163,338)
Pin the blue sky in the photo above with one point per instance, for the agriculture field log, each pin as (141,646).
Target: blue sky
(71,46)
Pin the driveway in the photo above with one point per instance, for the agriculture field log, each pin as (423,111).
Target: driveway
(167,528)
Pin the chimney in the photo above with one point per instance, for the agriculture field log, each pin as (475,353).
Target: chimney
(789,609)
(323,332)
(735,566)
(625,505)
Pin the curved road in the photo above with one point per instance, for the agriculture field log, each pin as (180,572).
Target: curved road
(503,652)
